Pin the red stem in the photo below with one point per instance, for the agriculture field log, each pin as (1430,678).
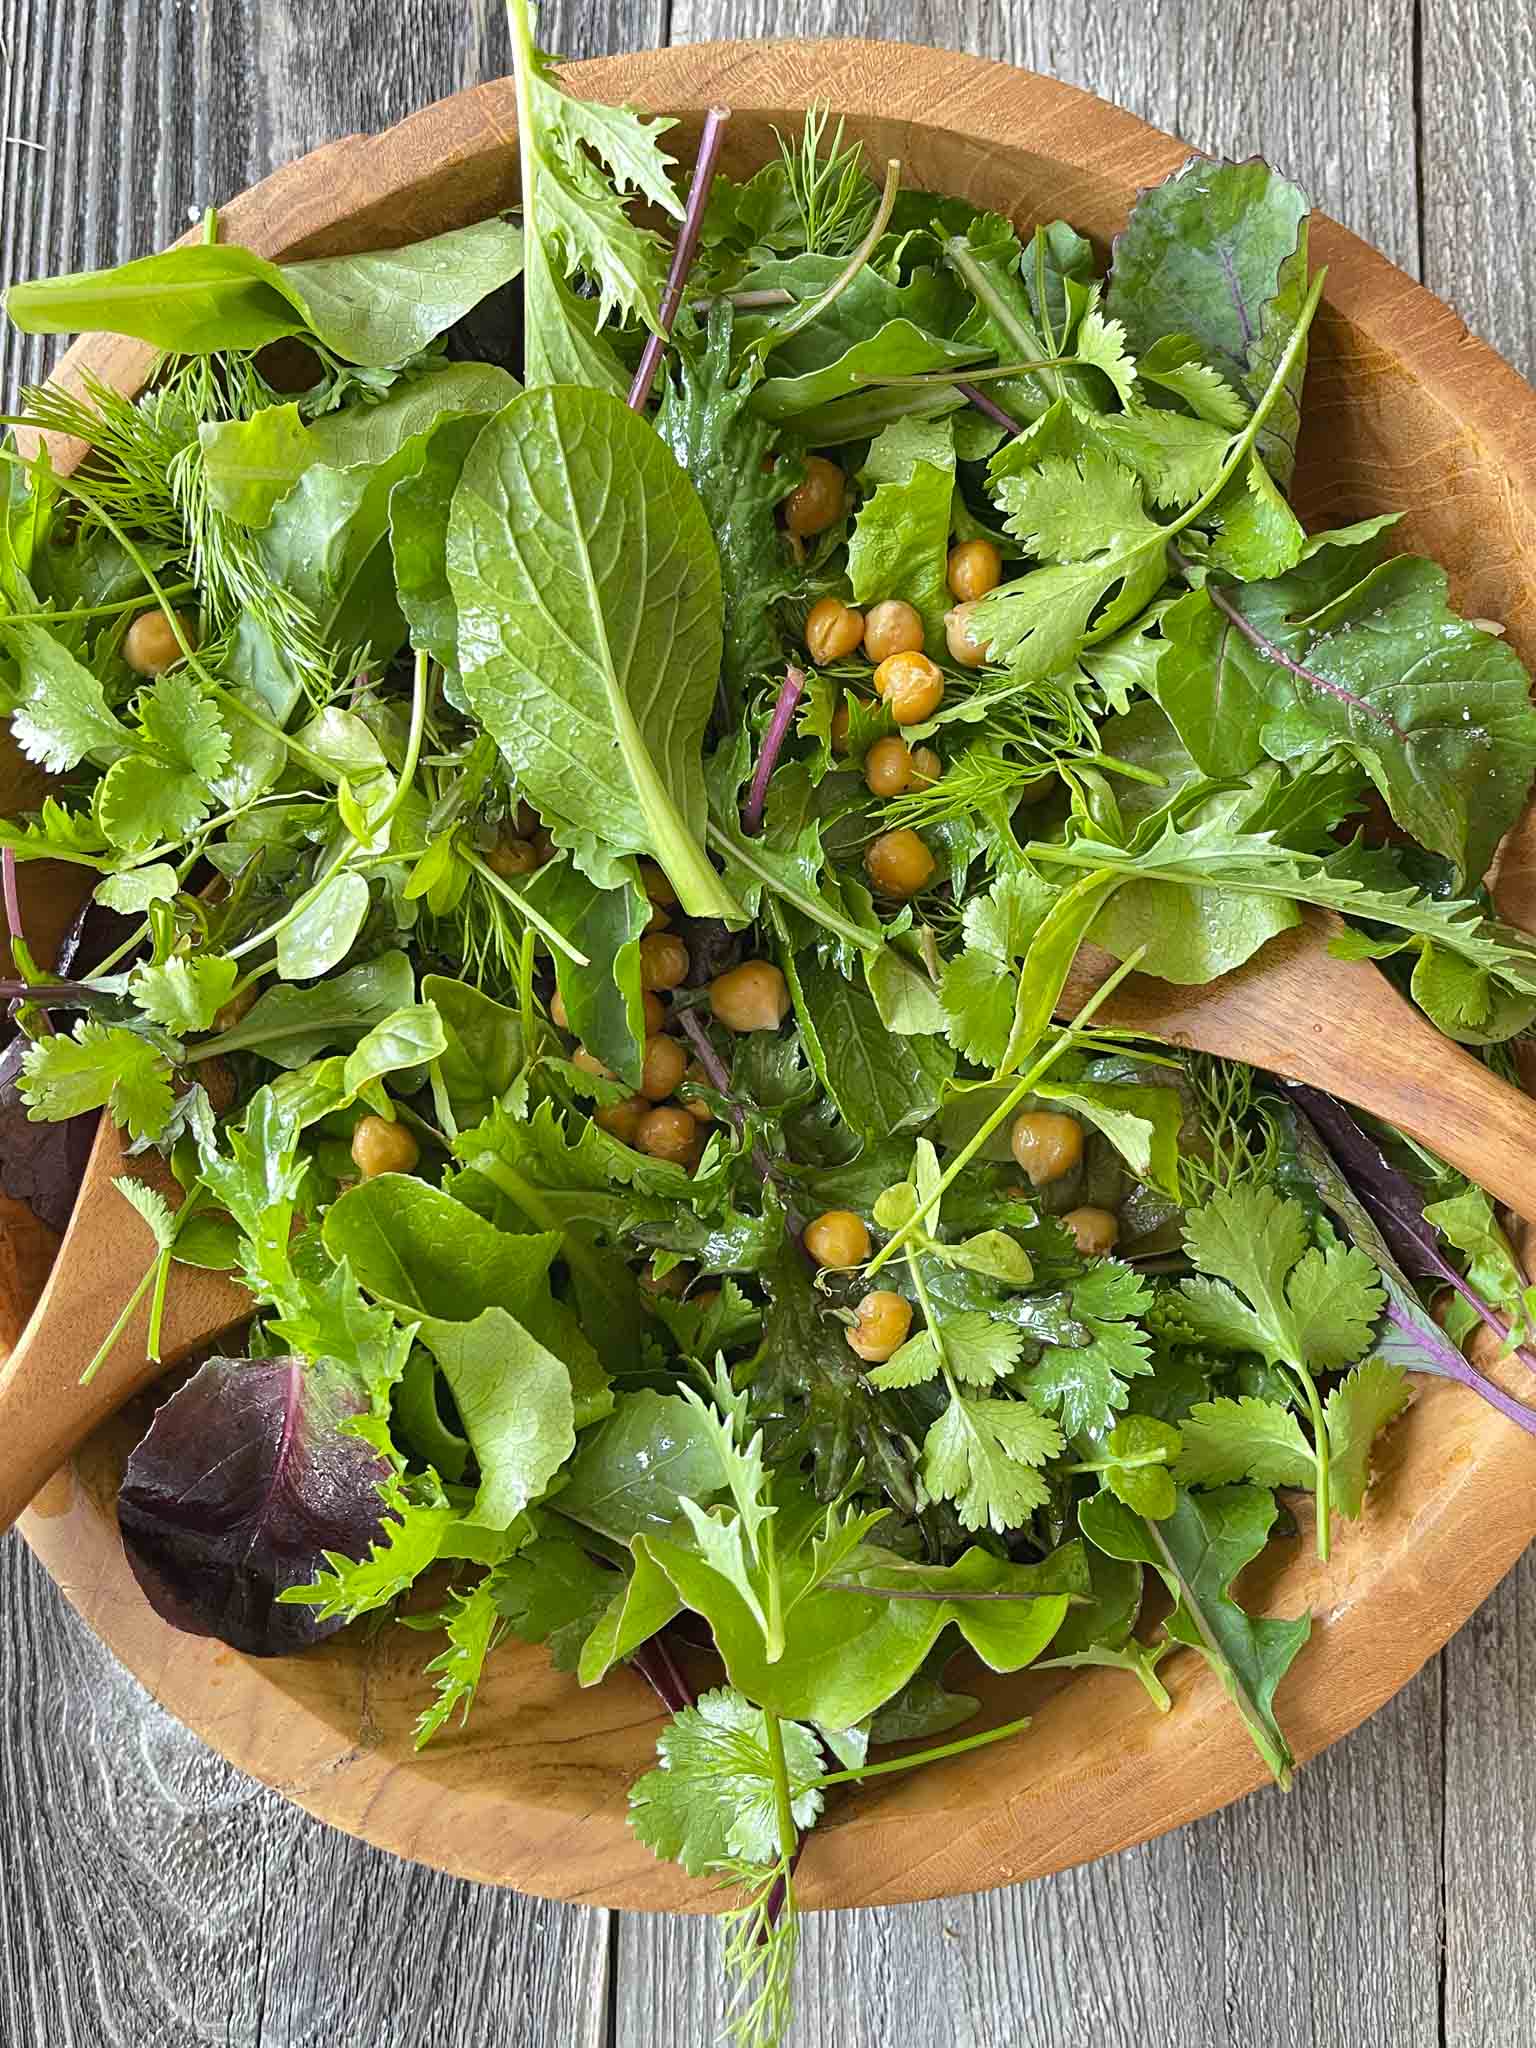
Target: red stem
(989,406)
(657,1666)
(773,746)
(682,256)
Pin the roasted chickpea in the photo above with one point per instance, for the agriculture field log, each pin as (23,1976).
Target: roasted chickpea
(888,767)
(664,961)
(893,627)
(622,1119)
(150,643)
(665,1064)
(1046,1144)
(668,1133)
(832,630)
(656,885)
(926,768)
(898,864)
(837,1238)
(967,649)
(751,997)
(814,505)
(883,1322)
(975,567)
(674,1281)
(911,685)
(589,1063)
(510,857)
(379,1146)
(226,1018)
(1033,792)
(1097,1231)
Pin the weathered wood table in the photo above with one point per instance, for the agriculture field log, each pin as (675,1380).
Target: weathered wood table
(152,1897)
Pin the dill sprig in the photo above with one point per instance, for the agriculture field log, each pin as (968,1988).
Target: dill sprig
(1242,1135)
(760,1944)
(832,193)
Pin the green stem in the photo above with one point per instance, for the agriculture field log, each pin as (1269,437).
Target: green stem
(923,1756)
(525,909)
(812,309)
(296,910)
(1322,1450)
(741,851)
(1011,1101)
(109,1342)
(91,611)
(789,1834)
(408,766)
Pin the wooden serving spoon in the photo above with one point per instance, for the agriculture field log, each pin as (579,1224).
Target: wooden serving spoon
(1293,1009)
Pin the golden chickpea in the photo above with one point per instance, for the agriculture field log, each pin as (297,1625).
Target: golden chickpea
(751,997)
(898,864)
(664,961)
(1097,1231)
(622,1120)
(841,719)
(656,885)
(832,630)
(967,648)
(1033,792)
(674,1281)
(150,643)
(658,920)
(975,567)
(238,1006)
(911,685)
(888,767)
(926,768)
(559,1015)
(510,857)
(1046,1144)
(837,1238)
(883,1322)
(654,1011)
(668,1133)
(894,627)
(589,1063)
(665,1064)
(379,1146)
(814,505)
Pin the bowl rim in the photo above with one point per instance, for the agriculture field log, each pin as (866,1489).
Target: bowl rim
(967,1828)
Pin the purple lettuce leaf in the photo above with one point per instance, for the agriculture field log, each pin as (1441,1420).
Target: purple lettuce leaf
(244,1482)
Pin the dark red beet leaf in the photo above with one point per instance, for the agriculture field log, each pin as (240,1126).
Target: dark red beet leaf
(244,1481)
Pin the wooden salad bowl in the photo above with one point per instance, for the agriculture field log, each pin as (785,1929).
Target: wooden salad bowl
(1404,410)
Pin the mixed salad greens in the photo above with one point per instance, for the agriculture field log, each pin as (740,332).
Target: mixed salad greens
(602,735)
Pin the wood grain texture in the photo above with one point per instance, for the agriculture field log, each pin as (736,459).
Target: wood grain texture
(1343,1948)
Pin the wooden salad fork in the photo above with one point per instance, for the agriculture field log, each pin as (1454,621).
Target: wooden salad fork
(1294,1010)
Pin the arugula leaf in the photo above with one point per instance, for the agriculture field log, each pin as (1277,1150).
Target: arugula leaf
(643,1604)
(1198,1551)
(591,650)
(984,1455)
(99,1066)
(712,1798)
(291,1026)
(706,419)
(472,1625)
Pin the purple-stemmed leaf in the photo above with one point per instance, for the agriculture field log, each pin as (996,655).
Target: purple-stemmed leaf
(1393,1203)
(244,1483)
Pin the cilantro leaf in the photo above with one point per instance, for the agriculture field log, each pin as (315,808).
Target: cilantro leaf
(1358,1409)
(62,715)
(711,1799)
(101,1066)
(1138,1455)
(1292,1304)
(984,1455)
(151,1205)
(1086,1384)
(185,992)
(1246,1438)
(979,984)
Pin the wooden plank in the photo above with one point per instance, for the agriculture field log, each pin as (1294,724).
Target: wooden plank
(1323,88)
(154,1895)
(1311,1918)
